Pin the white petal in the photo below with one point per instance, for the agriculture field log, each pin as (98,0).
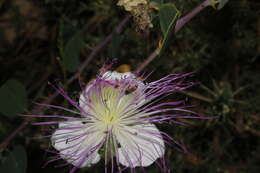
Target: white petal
(106,76)
(117,76)
(137,85)
(78,146)
(83,100)
(114,76)
(141,145)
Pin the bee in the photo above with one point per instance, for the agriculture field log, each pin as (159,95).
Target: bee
(123,68)
(131,89)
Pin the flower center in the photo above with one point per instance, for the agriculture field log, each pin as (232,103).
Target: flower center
(107,106)
(110,120)
(112,104)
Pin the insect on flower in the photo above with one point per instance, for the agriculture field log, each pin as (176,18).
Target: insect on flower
(115,122)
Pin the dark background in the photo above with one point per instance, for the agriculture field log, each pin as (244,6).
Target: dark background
(221,46)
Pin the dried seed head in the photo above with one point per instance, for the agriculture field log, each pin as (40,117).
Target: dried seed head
(130,4)
(140,10)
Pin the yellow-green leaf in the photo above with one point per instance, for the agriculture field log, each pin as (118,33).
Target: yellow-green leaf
(168,16)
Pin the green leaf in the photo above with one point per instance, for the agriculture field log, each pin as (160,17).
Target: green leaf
(13,99)
(221,4)
(72,52)
(115,45)
(15,162)
(168,16)
(218,4)
(156,1)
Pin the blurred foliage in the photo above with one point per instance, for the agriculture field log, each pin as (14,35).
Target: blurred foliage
(47,40)
(15,161)
(12,95)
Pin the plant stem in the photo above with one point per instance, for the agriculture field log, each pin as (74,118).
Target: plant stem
(179,25)
(38,109)
(99,47)
(182,21)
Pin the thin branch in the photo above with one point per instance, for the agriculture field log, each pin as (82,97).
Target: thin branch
(179,25)
(147,61)
(197,96)
(100,46)
(182,21)
(38,109)
(12,135)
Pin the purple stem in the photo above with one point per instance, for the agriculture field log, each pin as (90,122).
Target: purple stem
(94,52)
(180,23)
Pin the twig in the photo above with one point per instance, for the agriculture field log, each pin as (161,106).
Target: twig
(197,96)
(25,122)
(180,23)
(13,134)
(38,109)
(101,45)
(147,61)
